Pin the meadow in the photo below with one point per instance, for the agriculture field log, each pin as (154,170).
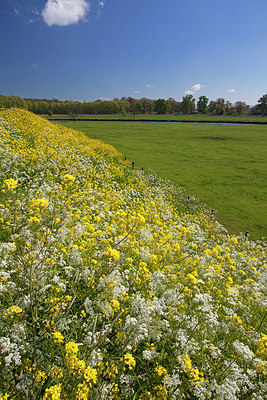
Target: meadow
(254,119)
(223,166)
(111,287)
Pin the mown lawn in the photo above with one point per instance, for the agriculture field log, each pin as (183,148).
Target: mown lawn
(223,166)
(254,119)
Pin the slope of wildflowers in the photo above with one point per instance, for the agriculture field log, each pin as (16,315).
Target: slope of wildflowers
(109,288)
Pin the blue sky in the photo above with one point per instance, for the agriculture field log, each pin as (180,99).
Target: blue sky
(91,49)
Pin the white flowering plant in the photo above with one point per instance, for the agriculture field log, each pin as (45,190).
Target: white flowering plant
(110,287)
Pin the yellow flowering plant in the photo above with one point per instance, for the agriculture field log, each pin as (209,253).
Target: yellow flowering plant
(111,286)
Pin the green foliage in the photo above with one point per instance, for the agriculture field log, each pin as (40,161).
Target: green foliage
(262,105)
(161,106)
(220,106)
(202,104)
(188,104)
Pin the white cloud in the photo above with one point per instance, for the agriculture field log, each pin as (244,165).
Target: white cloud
(137,91)
(197,87)
(34,66)
(148,85)
(230,90)
(64,12)
(101,4)
(194,88)
(189,92)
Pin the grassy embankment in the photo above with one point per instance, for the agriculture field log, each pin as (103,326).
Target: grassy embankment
(223,166)
(110,287)
(172,117)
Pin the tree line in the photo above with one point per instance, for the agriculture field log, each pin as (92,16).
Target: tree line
(125,105)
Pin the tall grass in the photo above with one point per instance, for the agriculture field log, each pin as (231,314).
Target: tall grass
(110,288)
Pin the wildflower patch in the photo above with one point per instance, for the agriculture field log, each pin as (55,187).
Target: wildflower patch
(110,288)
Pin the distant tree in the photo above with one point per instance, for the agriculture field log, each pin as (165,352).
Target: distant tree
(132,107)
(220,106)
(3,101)
(202,104)
(212,107)
(173,106)
(188,104)
(139,107)
(262,104)
(145,103)
(161,106)
(240,107)
(229,108)
(41,107)
(150,106)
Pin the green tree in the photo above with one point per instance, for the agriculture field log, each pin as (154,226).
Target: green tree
(240,107)
(229,108)
(212,106)
(220,106)
(139,108)
(202,104)
(161,106)
(262,104)
(188,104)
(173,106)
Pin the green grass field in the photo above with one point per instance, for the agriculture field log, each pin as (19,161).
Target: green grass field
(172,117)
(223,166)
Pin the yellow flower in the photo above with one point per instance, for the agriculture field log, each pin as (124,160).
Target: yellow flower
(115,305)
(53,392)
(40,376)
(161,371)
(10,184)
(162,392)
(192,279)
(39,203)
(113,254)
(13,310)
(71,348)
(129,360)
(4,397)
(69,178)
(261,368)
(58,337)
(236,320)
(196,376)
(233,240)
(187,363)
(82,392)
(90,375)
(34,219)
(262,345)
(112,370)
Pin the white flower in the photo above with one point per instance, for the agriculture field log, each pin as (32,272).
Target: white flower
(243,350)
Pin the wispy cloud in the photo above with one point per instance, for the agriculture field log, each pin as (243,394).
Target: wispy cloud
(148,85)
(64,12)
(101,4)
(189,92)
(231,90)
(194,88)
(34,66)
(137,91)
(197,87)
